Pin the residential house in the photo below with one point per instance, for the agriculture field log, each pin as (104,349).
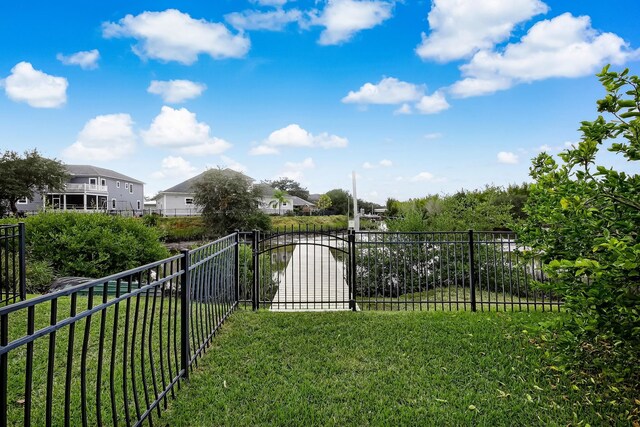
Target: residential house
(179,199)
(89,189)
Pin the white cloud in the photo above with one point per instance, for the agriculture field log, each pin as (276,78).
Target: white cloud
(460,28)
(388,91)
(343,18)
(263,150)
(432,104)
(295,136)
(175,167)
(38,89)
(87,60)
(179,128)
(565,46)
(508,158)
(275,20)
(174,36)
(382,163)
(233,164)
(291,136)
(176,91)
(295,170)
(210,147)
(404,109)
(103,138)
(423,177)
(325,140)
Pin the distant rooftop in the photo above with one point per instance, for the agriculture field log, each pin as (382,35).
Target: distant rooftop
(187,186)
(88,170)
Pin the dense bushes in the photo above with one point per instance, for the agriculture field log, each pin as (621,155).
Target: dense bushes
(92,245)
(584,220)
(178,229)
(493,208)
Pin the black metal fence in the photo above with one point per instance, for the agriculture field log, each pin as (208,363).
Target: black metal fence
(320,269)
(112,351)
(12,263)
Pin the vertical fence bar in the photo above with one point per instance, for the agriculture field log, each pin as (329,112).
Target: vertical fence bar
(236,266)
(472,272)
(255,297)
(184,314)
(4,368)
(352,269)
(22,261)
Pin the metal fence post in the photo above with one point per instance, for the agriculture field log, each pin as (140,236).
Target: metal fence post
(22,261)
(352,269)
(472,272)
(185,310)
(255,297)
(236,275)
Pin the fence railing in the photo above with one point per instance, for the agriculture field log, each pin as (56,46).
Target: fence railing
(447,271)
(12,263)
(391,271)
(113,350)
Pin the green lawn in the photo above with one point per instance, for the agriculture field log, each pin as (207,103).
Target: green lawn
(373,368)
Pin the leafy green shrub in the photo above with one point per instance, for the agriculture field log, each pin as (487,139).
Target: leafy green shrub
(583,220)
(180,229)
(329,221)
(93,245)
(40,275)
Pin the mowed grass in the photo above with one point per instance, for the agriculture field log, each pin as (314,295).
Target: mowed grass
(458,298)
(381,368)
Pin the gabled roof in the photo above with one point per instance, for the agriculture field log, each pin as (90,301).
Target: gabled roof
(88,170)
(266,190)
(187,186)
(298,201)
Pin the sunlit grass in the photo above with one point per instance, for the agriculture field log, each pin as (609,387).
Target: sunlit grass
(374,368)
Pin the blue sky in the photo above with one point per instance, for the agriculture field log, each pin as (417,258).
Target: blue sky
(417,97)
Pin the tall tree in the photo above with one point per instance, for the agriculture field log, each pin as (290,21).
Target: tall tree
(279,198)
(324,202)
(229,202)
(23,176)
(339,200)
(289,186)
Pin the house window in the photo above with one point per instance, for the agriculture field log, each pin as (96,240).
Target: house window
(117,184)
(188,201)
(93,181)
(126,185)
(113,203)
(22,201)
(284,204)
(103,182)
(130,188)
(138,202)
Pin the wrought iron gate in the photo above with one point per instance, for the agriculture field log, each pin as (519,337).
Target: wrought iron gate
(303,270)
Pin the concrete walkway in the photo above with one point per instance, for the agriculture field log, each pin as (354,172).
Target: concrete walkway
(312,281)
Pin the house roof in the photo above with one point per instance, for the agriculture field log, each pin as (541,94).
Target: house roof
(187,186)
(88,170)
(268,191)
(298,201)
